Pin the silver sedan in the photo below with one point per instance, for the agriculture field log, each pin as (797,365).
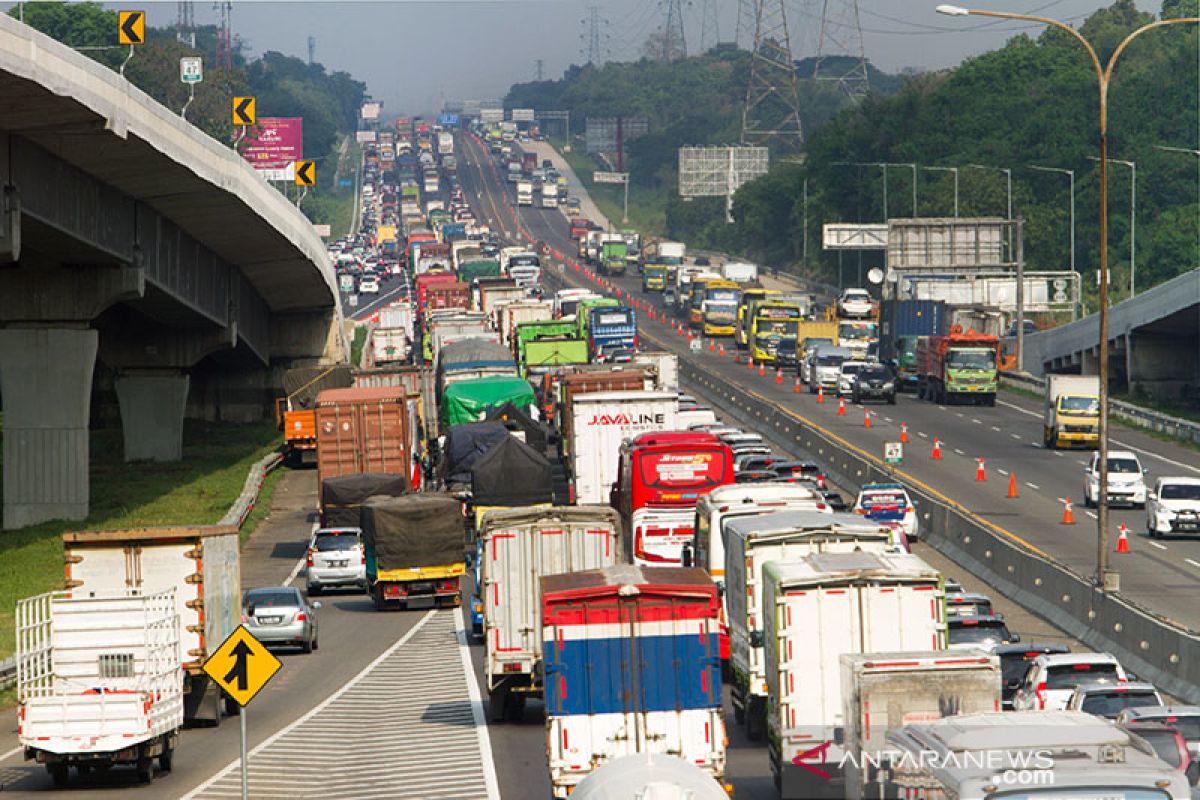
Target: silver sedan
(279,615)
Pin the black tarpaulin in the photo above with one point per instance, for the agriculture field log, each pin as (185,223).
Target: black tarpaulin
(342,497)
(303,384)
(465,444)
(516,419)
(416,530)
(512,474)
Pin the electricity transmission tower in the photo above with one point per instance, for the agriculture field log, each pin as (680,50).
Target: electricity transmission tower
(538,69)
(674,45)
(710,31)
(747,20)
(840,54)
(224,54)
(591,36)
(185,23)
(771,114)
(312,50)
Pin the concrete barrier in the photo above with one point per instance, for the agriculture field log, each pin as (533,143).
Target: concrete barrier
(1157,649)
(242,507)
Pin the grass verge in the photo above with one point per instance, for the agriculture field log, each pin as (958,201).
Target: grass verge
(646,213)
(196,490)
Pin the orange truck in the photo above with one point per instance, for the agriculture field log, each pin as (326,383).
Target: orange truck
(295,413)
(958,368)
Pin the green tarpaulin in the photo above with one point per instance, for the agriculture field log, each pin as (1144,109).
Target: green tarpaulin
(467,401)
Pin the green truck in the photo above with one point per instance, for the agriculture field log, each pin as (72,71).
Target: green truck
(548,342)
(581,313)
(614,257)
(469,401)
(474,269)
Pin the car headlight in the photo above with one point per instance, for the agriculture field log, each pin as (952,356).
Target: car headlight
(889,386)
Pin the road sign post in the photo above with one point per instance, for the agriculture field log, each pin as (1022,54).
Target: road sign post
(242,666)
(616,177)
(893,453)
(191,72)
(131,30)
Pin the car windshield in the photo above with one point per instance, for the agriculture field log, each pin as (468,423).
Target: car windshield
(335,541)
(851,369)
(1068,676)
(978,632)
(1109,703)
(971,359)
(875,374)
(855,332)
(1180,491)
(271,598)
(1165,744)
(830,361)
(1124,466)
(1080,405)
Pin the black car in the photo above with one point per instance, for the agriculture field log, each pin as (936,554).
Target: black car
(754,476)
(800,472)
(986,633)
(875,381)
(1014,662)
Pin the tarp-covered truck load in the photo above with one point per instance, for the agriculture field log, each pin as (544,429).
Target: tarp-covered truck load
(465,444)
(342,497)
(468,359)
(512,474)
(414,549)
(467,401)
(521,425)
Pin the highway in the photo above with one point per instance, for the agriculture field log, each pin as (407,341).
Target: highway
(1161,576)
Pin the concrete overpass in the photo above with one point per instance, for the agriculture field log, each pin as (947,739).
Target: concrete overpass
(1154,342)
(141,261)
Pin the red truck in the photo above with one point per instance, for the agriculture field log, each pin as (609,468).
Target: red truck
(425,280)
(528,163)
(958,368)
(580,227)
(363,430)
(447,294)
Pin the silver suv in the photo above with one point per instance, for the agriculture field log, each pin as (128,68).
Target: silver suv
(336,559)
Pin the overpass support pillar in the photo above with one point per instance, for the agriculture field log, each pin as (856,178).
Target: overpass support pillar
(46,382)
(152,405)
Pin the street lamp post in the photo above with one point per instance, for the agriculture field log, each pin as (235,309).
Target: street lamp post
(955,171)
(1105,579)
(1070,173)
(1132,220)
(1008,183)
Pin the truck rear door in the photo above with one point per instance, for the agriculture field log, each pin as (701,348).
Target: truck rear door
(510,604)
(901,617)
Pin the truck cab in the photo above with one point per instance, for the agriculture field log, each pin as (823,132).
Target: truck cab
(1071,411)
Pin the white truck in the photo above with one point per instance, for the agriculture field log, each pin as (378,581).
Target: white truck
(814,611)
(1071,411)
(390,346)
(517,547)
(883,692)
(740,271)
(200,563)
(445,144)
(1024,754)
(600,422)
(750,544)
(665,366)
(397,315)
(510,315)
(99,680)
(524,193)
(549,195)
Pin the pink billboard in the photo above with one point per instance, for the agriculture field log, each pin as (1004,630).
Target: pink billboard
(275,143)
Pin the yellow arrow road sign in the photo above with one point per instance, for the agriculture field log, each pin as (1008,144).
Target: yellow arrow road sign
(245,111)
(242,665)
(131,27)
(306,173)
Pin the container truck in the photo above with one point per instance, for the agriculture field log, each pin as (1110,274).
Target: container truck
(524,193)
(650,684)
(511,316)
(815,610)
(599,423)
(517,548)
(883,692)
(605,379)
(98,680)
(415,550)
(295,414)
(363,430)
(903,319)
(199,564)
(750,544)
(1071,411)
(1023,754)
(959,367)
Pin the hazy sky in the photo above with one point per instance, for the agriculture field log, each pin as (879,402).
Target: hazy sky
(413,55)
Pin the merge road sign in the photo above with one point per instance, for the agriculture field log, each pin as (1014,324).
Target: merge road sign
(242,665)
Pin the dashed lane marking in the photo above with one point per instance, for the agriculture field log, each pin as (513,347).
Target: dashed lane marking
(1091,514)
(1033,486)
(1193,563)
(960,452)
(1156,544)
(922,434)
(996,429)
(1015,435)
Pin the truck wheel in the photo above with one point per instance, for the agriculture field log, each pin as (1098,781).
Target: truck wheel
(58,774)
(166,758)
(145,768)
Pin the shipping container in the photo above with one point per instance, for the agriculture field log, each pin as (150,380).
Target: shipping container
(510,315)
(631,667)
(363,430)
(517,547)
(199,563)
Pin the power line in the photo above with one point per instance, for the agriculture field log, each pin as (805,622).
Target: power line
(674,45)
(771,114)
(710,31)
(841,39)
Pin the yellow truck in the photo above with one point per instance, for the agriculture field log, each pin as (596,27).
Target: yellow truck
(414,550)
(741,332)
(718,308)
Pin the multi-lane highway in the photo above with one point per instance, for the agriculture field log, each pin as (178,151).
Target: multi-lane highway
(1161,576)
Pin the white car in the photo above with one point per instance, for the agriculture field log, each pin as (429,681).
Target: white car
(368,286)
(1126,480)
(855,303)
(1173,506)
(846,375)
(1050,679)
(888,504)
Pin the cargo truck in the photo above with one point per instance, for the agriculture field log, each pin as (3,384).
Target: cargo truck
(1071,411)
(415,551)
(650,684)
(517,548)
(548,354)
(98,680)
(599,423)
(883,692)
(960,367)
(654,277)
(815,610)
(549,196)
(389,347)
(750,544)
(524,193)
(613,255)
(469,401)
(295,414)
(611,327)
(774,333)
(363,430)
(510,316)
(199,564)
(604,378)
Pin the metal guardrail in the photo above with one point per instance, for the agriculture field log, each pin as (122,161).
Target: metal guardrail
(1156,648)
(1154,420)
(242,507)
(8,673)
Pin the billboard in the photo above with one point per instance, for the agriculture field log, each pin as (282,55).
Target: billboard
(491,115)
(719,171)
(371,110)
(601,132)
(274,145)
(939,243)
(364,137)
(522,115)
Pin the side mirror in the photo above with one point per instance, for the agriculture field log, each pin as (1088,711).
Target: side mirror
(687,557)
(756,638)
(1014,638)
(315,604)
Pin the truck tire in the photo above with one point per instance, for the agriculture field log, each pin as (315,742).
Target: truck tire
(145,768)
(166,758)
(497,704)
(59,773)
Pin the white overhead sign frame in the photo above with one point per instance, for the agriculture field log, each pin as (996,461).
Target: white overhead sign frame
(854,236)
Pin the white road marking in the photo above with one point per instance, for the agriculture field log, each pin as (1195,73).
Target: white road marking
(959,414)
(1015,435)
(1002,471)
(11,753)
(996,429)
(960,452)
(1156,544)
(977,422)
(1193,563)
(1090,514)
(1060,455)
(922,434)
(889,419)
(303,559)
(1033,486)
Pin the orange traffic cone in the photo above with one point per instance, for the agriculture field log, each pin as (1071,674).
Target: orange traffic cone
(1068,513)
(778,375)
(1123,541)
(679,330)
(762,370)
(796,386)
(937,449)
(712,346)
(841,407)
(721,351)
(1012,485)
(820,394)
(980,474)
(689,336)
(866,417)
(904,433)
(749,362)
